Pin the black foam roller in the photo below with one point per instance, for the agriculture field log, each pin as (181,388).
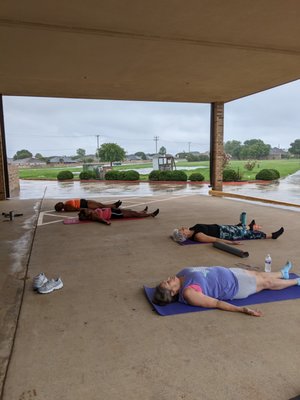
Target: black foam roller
(231,249)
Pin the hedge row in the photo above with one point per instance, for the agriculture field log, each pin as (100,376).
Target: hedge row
(229,175)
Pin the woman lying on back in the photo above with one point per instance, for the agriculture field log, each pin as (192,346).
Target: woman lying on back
(210,287)
(230,234)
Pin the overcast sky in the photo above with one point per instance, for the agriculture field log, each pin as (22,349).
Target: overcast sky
(53,126)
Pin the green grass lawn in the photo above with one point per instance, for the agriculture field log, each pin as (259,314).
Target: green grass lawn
(285,168)
(46,173)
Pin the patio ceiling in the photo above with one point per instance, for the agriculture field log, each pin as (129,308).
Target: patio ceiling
(160,50)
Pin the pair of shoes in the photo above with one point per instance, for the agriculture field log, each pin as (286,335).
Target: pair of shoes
(154,214)
(44,285)
(51,285)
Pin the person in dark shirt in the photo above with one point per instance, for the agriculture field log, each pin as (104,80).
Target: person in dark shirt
(230,234)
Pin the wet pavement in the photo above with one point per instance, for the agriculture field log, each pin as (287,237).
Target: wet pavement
(287,189)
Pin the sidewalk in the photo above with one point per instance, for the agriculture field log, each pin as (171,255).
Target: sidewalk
(98,338)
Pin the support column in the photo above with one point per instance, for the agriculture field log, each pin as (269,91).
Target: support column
(216,145)
(4,179)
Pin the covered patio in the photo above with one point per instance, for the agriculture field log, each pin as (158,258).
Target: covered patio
(98,336)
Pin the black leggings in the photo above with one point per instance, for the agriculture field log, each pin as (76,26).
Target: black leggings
(116,213)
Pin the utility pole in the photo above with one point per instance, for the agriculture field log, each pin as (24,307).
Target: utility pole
(189,143)
(97,136)
(156,140)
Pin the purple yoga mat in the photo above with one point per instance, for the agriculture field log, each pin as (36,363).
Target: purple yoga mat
(75,220)
(266,296)
(187,241)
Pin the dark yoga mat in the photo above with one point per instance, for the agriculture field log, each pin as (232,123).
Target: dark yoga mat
(266,296)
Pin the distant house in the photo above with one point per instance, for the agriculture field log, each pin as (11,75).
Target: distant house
(27,162)
(184,155)
(277,154)
(62,160)
(133,157)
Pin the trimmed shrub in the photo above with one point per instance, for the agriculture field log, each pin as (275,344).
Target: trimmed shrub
(86,175)
(65,175)
(267,175)
(165,175)
(131,175)
(276,173)
(229,175)
(177,176)
(153,176)
(113,175)
(196,177)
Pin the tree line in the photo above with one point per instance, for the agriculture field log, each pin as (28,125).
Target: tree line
(108,152)
(254,149)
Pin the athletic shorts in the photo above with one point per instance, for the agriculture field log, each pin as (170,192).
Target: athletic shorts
(83,203)
(246,282)
(116,213)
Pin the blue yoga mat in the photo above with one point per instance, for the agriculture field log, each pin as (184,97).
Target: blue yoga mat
(266,296)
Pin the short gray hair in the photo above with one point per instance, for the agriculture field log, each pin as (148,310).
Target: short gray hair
(178,236)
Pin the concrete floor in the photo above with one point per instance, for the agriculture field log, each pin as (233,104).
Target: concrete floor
(98,338)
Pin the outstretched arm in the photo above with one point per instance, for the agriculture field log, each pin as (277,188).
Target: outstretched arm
(195,298)
(96,218)
(201,237)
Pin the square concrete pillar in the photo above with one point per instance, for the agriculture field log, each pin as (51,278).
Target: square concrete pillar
(216,145)
(4,180)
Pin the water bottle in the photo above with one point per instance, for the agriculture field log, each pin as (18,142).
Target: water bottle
(243,218)
(268,263)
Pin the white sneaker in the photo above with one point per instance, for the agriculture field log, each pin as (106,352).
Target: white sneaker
(49,286)
(39,281)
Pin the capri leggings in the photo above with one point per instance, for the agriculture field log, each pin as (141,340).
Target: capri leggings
(233,232)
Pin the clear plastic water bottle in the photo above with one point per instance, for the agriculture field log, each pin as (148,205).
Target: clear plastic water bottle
(268,263)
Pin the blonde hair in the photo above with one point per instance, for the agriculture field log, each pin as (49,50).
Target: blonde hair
(178,236)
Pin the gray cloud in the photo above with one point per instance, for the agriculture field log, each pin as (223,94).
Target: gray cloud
(60,126)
